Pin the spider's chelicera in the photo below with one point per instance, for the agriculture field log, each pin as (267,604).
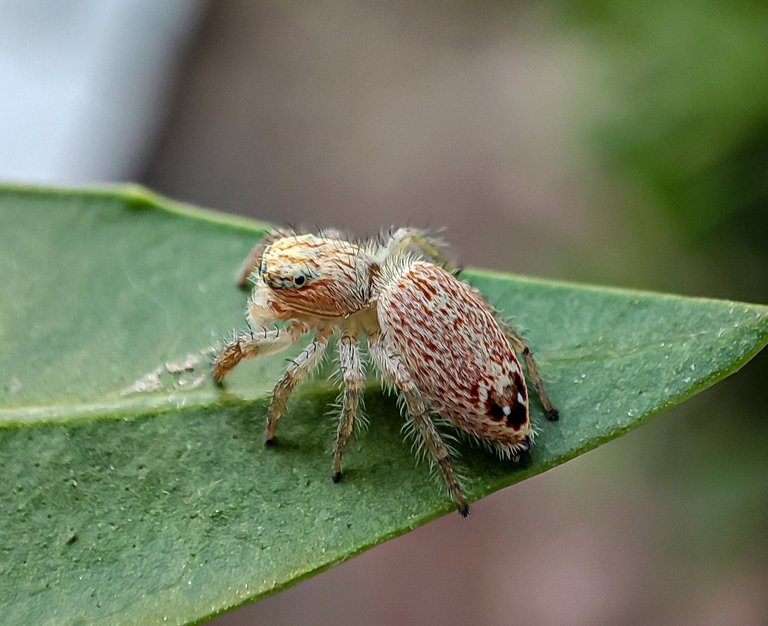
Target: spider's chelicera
(433,338)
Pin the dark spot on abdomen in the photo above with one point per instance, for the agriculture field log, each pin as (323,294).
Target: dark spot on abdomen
(518,416)
(520,385)
(495,412)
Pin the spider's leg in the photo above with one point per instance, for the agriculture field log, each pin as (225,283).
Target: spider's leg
(394,371)
(353,381)
(520,346)
(252,344)
(253,260)
(298,369)
(423,245)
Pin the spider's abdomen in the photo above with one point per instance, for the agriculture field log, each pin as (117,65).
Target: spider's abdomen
(456,353)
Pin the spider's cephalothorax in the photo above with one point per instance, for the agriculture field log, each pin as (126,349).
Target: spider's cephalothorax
(432,337)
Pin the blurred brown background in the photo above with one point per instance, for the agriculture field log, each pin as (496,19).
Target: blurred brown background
(607,142)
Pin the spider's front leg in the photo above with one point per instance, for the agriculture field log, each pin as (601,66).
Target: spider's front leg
(253,344)
(353,382)
(298,369)
(395,371)
(253,260)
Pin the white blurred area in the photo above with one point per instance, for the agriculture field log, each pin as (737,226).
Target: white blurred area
(84,85)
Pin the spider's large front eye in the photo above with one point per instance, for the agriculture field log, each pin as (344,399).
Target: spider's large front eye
(300,280)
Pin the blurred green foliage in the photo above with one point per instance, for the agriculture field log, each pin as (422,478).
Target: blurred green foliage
(681,115)
(675,107)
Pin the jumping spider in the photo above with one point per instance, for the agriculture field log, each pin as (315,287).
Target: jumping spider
(432,337)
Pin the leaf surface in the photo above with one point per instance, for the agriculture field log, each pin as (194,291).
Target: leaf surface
(126,505)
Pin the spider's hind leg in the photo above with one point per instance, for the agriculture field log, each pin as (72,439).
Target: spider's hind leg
(520,346)
(394,371)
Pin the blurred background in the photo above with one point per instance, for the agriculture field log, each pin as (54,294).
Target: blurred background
(609,142)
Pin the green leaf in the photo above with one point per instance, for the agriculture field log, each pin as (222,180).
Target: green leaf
(128,506)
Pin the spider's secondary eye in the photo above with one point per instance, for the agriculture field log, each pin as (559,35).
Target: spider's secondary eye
(300,280)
